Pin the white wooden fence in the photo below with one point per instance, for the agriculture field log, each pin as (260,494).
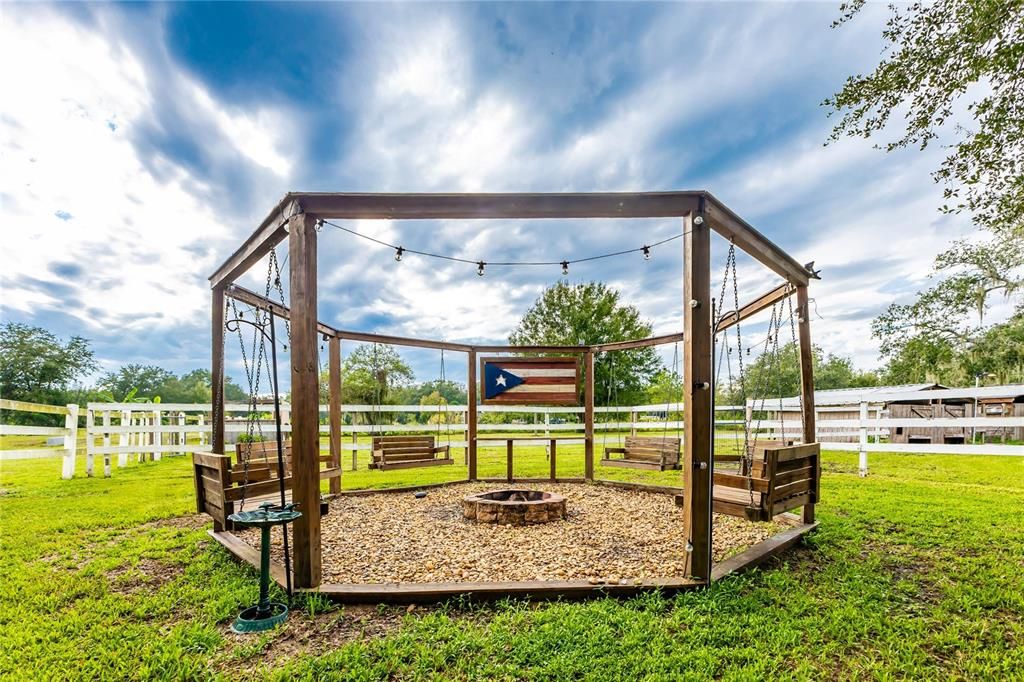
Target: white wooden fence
(139,431)
(69,433)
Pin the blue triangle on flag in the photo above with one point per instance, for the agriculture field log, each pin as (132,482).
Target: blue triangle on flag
(498,380)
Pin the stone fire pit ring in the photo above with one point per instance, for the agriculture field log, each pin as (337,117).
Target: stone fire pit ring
(514,507)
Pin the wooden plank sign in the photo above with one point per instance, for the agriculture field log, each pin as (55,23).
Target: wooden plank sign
(529,380)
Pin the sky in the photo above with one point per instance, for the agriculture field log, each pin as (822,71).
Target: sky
(141,144)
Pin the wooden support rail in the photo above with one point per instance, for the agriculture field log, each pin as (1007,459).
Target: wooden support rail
(762,302)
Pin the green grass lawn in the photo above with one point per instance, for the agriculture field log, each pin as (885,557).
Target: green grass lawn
(916,572)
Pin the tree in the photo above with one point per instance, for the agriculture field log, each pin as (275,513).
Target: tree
(939,337)
(938,54)
(666,387)
(135,380)
(442,416)
(372,374)
(36,366)
(195,387)
(995,352)
(767,377)
(587,314)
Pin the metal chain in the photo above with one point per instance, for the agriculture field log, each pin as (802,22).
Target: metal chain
(796,350)
(444,401)
(747,454)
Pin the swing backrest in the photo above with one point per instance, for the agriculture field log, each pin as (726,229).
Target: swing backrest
(262,460)
(654,449)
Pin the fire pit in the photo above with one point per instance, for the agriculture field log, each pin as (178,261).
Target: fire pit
(514,507)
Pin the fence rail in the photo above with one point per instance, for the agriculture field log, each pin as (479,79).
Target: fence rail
(152,430)
(68,433)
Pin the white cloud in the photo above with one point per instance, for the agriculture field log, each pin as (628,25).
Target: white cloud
(138,245)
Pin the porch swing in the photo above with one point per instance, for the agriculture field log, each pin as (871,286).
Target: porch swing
(262,470)
(644,452)
(406,451)
(774,476)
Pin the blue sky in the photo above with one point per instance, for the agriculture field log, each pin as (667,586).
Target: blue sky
(147,141)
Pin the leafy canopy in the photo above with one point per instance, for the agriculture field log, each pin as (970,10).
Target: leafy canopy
(940,55)
(768,377)
(36,366)
(587,314)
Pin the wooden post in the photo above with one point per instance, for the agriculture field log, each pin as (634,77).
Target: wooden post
(70,441)
(588,415)
(334,416)
(217,369)
(182,434)
(158,436)
(106,443)
(697,410)
(201,421)
(807,406)
(508,460)
(305,401)
(471,415)
(554,471)
(122,439)
(90,443)
(863,458)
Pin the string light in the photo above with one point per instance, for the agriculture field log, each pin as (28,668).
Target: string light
(401,251)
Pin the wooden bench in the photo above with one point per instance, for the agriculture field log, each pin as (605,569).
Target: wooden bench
(782,478)
(221,485)
(645,453)
(406,452)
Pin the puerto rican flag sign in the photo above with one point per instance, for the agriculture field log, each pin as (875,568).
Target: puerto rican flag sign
(531,380)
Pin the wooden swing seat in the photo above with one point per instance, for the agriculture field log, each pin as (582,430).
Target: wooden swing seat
(644,453)
(407,452)
(220,485)
(783,477)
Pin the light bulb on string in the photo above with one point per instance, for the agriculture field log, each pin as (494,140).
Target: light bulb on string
(398,253)
(647,252)
(565,267)
(480,268)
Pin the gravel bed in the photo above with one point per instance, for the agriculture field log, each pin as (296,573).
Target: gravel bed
(610,536)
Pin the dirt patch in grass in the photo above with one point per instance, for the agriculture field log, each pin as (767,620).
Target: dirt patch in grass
(304,635)
(147,574)
(190,522)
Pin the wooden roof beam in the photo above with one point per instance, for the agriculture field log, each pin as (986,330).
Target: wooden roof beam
(345,206)
(726,223)
(637,343)
(269,234)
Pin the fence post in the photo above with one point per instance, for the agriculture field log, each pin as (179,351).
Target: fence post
(90,445)
(141,437)
(182,436)
(106,443)
(70,441)
(355,450)
(202,434)
(122,439)
(863,438)
(158,437)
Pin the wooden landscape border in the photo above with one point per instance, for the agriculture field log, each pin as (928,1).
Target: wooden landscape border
(297,218)
(539,590)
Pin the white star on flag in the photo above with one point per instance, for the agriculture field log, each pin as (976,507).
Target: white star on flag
(500,381)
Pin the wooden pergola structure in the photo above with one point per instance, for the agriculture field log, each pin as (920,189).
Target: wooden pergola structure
(295,218)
